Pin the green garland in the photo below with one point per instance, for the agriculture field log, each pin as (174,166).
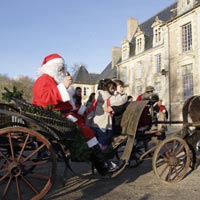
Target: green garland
(7,96)
(78,147)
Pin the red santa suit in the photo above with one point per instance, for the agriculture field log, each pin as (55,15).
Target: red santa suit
(46,91)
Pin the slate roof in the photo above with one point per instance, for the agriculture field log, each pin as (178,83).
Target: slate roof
(108,72)
(164,15)
(82,76)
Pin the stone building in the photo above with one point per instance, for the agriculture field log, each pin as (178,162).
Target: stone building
(89,81)
(163,52)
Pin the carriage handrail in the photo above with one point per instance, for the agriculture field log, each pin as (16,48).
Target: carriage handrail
(168,122)
(47,120)
(45,115)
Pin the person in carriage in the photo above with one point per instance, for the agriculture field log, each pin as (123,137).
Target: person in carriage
(108,106)
(147,117)
(53,87)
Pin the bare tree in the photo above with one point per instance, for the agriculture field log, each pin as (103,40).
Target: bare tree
(23,83)
(72,70)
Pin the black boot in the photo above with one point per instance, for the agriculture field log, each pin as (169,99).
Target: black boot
(103,165)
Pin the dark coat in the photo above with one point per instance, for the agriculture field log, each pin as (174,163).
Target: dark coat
(117,116)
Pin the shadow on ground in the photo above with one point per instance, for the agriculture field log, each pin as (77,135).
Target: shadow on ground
(92,186)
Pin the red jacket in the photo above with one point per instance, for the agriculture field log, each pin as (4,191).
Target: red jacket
(47,92)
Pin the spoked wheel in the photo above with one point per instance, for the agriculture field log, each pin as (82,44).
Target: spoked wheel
(137,151)
(27,164)
(193,141)
(171,159)
(121,152)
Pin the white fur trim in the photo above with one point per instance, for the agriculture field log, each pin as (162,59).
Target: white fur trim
(92,142)
(71,118)
(82,110)
(55,61)
(63,92)
(51,70)
(71,92)
(51,67)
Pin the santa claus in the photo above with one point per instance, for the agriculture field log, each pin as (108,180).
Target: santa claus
(53,87)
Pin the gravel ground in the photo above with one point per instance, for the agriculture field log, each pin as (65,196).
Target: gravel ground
(134,183)
(138,183)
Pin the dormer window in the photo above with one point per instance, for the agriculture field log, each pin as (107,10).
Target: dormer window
(157,32)
(139,44)
(140,41)
(157,35)
(125,49)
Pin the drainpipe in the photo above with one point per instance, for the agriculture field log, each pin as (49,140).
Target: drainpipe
(169,74)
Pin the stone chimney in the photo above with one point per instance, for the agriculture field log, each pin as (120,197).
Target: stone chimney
(116,54)
(185,5)
(132,28)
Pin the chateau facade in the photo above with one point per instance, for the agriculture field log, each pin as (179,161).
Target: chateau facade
(163,52)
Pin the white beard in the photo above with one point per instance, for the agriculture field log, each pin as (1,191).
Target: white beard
(59,77)
(52,70)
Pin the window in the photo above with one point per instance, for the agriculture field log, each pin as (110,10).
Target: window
(187,37)
(125,53)
(125,50)
(187,81)
(139,90)
(139,41)
(84,91)
(158,87)
(124,75)
(139,44)
(158,62)
(139,70)
(157,35)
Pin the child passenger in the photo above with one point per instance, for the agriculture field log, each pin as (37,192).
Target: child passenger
(118,104)
(102,121)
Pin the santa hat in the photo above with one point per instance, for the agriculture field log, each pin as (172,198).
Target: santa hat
(51,64)
(53,59)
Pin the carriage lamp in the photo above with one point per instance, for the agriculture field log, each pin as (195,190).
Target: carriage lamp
(164,72)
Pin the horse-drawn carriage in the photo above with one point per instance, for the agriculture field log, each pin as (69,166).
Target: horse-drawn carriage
(32,139)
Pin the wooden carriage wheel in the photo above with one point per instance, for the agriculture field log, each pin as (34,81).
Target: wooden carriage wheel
(137,151)
(171,159)
(18,154)
(129,125)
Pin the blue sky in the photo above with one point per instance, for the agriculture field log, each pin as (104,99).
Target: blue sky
(82,31)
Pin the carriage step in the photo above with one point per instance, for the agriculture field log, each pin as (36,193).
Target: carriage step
(119,140)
